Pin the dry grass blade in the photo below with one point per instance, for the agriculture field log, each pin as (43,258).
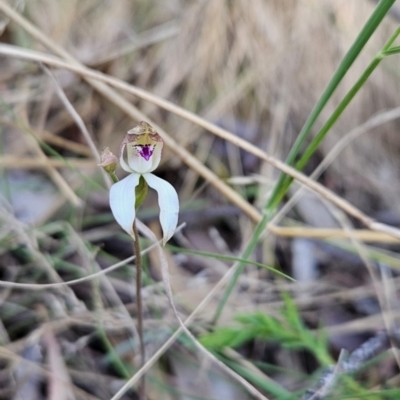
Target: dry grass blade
(77,118)
(229,86)
(321,233)
(165,275)
(168,343)
(154,35)
(42,286)
(41,163)
(55,176)
(60,381)
(193,163)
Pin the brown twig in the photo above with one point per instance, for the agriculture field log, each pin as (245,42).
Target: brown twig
(358,357)
(136,245)
(96,80)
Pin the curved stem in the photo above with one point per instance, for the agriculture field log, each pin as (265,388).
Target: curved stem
(136,245)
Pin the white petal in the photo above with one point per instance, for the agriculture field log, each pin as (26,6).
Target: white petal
(168,202)
(156,157)
(122,201)
(122,161)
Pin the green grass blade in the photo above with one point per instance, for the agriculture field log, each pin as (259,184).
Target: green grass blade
(246,254)
(313,146)
(369,28)
(229,258)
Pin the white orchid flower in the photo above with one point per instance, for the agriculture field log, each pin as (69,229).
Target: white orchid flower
(143,147)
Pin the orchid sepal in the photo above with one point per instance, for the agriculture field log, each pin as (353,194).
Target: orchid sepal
(168,202)
(122,201)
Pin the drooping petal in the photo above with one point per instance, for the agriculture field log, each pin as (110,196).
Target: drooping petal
(168,202)
(122,161)
(122,201)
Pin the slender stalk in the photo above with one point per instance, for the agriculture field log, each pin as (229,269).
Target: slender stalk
(113,176)
(139,303)
(136,245)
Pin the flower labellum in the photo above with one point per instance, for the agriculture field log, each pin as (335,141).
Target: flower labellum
(143,148)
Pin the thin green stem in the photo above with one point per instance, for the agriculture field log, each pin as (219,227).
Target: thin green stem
(392,51)
(113,177)
(138,261)
(115,360)
(391,40)
(239,270)
(369,28)
(313,146)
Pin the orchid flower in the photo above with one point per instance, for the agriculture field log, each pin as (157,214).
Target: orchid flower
(143,148)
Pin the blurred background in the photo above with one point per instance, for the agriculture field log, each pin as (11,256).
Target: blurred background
(255,68)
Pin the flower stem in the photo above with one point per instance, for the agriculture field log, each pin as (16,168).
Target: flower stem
(136,248)
(113,177)
(136,245)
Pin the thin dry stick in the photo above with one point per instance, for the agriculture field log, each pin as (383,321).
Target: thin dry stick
(328,233)
(363,254)
(355,239)
(36,367)
(41,286)
(63,143)
(78,120)
(40,163)
(368,350)
(53,139)
(230,372)
(182,153)
(55,176)
(152,360)
(375,121)
(151,36)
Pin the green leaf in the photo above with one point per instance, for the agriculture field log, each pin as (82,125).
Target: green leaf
(226,337)
(141,192)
